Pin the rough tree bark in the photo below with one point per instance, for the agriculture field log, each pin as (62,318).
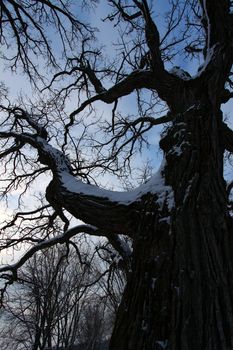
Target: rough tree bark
(179,295)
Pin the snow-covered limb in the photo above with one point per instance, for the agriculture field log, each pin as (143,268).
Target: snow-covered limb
(20,113)
(155,185)
(120,245)
(48,155)
(59,164)
(110,211)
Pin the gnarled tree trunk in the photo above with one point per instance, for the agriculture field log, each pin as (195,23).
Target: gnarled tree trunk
(180,292)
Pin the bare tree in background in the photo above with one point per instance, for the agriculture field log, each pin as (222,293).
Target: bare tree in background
(179,287)
(44,308)
(57,302)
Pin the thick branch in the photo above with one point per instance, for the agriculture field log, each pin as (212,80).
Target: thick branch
(120,246)
(110,211)
(152,37)
(164,82)
(227,134)
(219,26)
(156,78)
(49,243)
(138,79)
(219,45)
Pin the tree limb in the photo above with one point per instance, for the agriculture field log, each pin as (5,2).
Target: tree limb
(152,37)
(123,13)
(49,243)
(218,51)
(217,15)
(227,134)
(138,79)
(110,211)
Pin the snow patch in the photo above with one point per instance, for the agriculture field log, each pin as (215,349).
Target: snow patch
(153,282)
(62,163)
(176,150)
(162,343)
(166,220)
(144,325)
(189,187)
(179,133)
(155,185)
(187,191)
(179,72)
(125,247)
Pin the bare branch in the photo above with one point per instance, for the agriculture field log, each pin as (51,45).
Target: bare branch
(152,37)
(25,22)
(136,80)
(49,243)
(123,13)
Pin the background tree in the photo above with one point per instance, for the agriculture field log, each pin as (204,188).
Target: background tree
(45,304)
(179,287)
(58,301)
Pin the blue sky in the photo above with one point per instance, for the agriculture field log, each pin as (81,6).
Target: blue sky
(107,34)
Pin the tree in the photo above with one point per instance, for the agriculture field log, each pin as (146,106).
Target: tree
(179,288)
(45,305)
(57,302)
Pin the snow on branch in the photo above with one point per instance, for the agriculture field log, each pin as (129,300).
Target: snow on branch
(155,185)
(110,211)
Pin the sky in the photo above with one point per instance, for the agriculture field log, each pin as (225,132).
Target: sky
(107,35)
